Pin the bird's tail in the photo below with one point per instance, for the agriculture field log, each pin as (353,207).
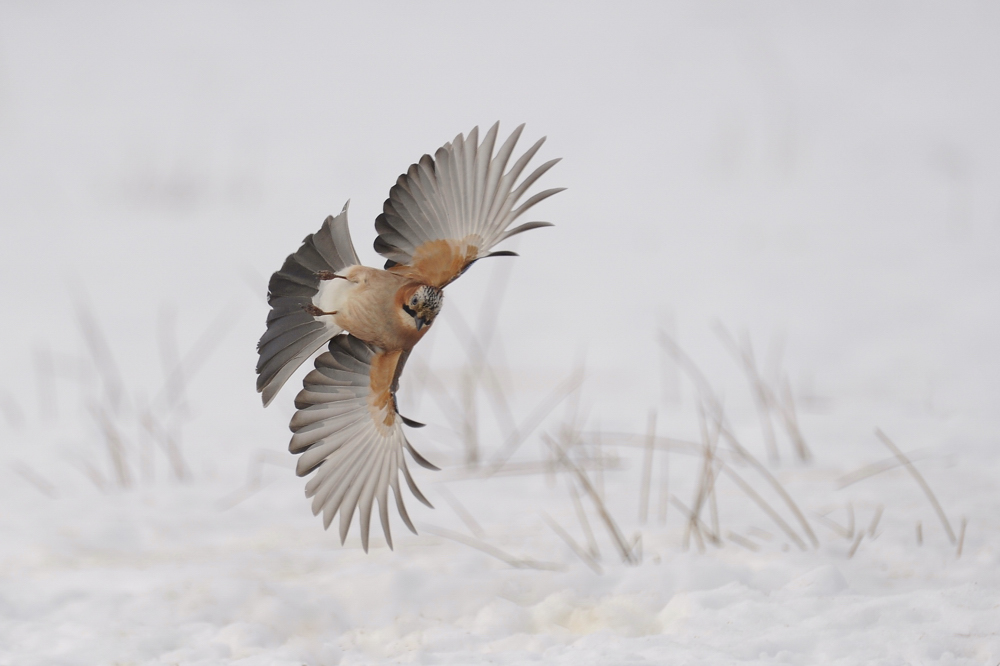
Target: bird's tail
(293,335)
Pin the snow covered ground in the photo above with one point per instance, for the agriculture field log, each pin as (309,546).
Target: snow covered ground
(821,180)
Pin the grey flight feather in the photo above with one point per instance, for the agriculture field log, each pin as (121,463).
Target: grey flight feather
(292,335)
(354,461)
(464,190)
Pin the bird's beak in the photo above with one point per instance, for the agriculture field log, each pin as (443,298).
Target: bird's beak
(419,321)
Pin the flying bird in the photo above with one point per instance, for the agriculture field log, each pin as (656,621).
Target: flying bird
(443,215)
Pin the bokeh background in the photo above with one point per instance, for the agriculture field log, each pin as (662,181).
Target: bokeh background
(824,178)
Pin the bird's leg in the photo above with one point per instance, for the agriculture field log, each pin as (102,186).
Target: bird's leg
(315,311)
(329,275)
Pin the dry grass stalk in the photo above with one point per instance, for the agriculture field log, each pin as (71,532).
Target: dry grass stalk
(920,533)
(961,538)
(527,468)
(581,516)
(45,375)
(763,535)
(636,547)
(635,440)
(438,390)
(241,494)
(744,355)
(470,420)
(873,525)
(533,420)
(599,455)
(705,490)
(742,541)
(170,359)
(873,469)
(11,411)
(790,419)
(708,397)
(647,469)
(584,556)
(664,486)
(461,512)
(34,478)
(767,399)
(854,546)
(833,525)
(479,370)
(170,395)
(103,358)
(920,481)
(491,550)
(92,474)
(115,446)
(616,534)
(768,509)
(693,525)
(169,444)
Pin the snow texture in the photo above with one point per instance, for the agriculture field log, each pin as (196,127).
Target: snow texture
(818,179)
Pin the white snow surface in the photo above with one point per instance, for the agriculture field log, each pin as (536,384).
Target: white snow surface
(821,179)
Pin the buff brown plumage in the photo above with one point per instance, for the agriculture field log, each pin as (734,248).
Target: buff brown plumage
(444,214)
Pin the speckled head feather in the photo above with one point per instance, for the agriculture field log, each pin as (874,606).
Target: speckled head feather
(426,303)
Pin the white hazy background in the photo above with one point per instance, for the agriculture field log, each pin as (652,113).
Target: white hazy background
(823,177)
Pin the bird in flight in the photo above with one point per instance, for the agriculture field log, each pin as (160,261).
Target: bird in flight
(444,214)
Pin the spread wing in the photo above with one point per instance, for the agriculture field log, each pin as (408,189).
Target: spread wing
(449,210)
(349,433)
(292,334)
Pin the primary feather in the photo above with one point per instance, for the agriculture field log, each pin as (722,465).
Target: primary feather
(442,215)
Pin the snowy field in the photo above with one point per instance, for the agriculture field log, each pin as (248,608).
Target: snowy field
(817,183)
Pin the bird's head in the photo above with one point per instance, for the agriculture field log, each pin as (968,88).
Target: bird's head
(424,305)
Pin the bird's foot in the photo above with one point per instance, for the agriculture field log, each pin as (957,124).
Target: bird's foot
(316,312)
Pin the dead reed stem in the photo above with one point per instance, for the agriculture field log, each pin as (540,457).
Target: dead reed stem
(744,355)
(693,525)
(491,550)
(920,481)
(40,483)
(664,486)
(581,516)
(461,512)
(45,384)
(616,534)
(873,525)
(742,541)
(115,447)
(647,469)
(169,444)
(873,469)
(854,546)
(762,503)
(834,526)
(470,422)
(104,360)
(533,420)
(584,556)
(705,390)
(790,418)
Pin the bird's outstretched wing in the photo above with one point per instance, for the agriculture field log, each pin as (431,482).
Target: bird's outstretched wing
(292,334)
(348,431)
(449,210)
